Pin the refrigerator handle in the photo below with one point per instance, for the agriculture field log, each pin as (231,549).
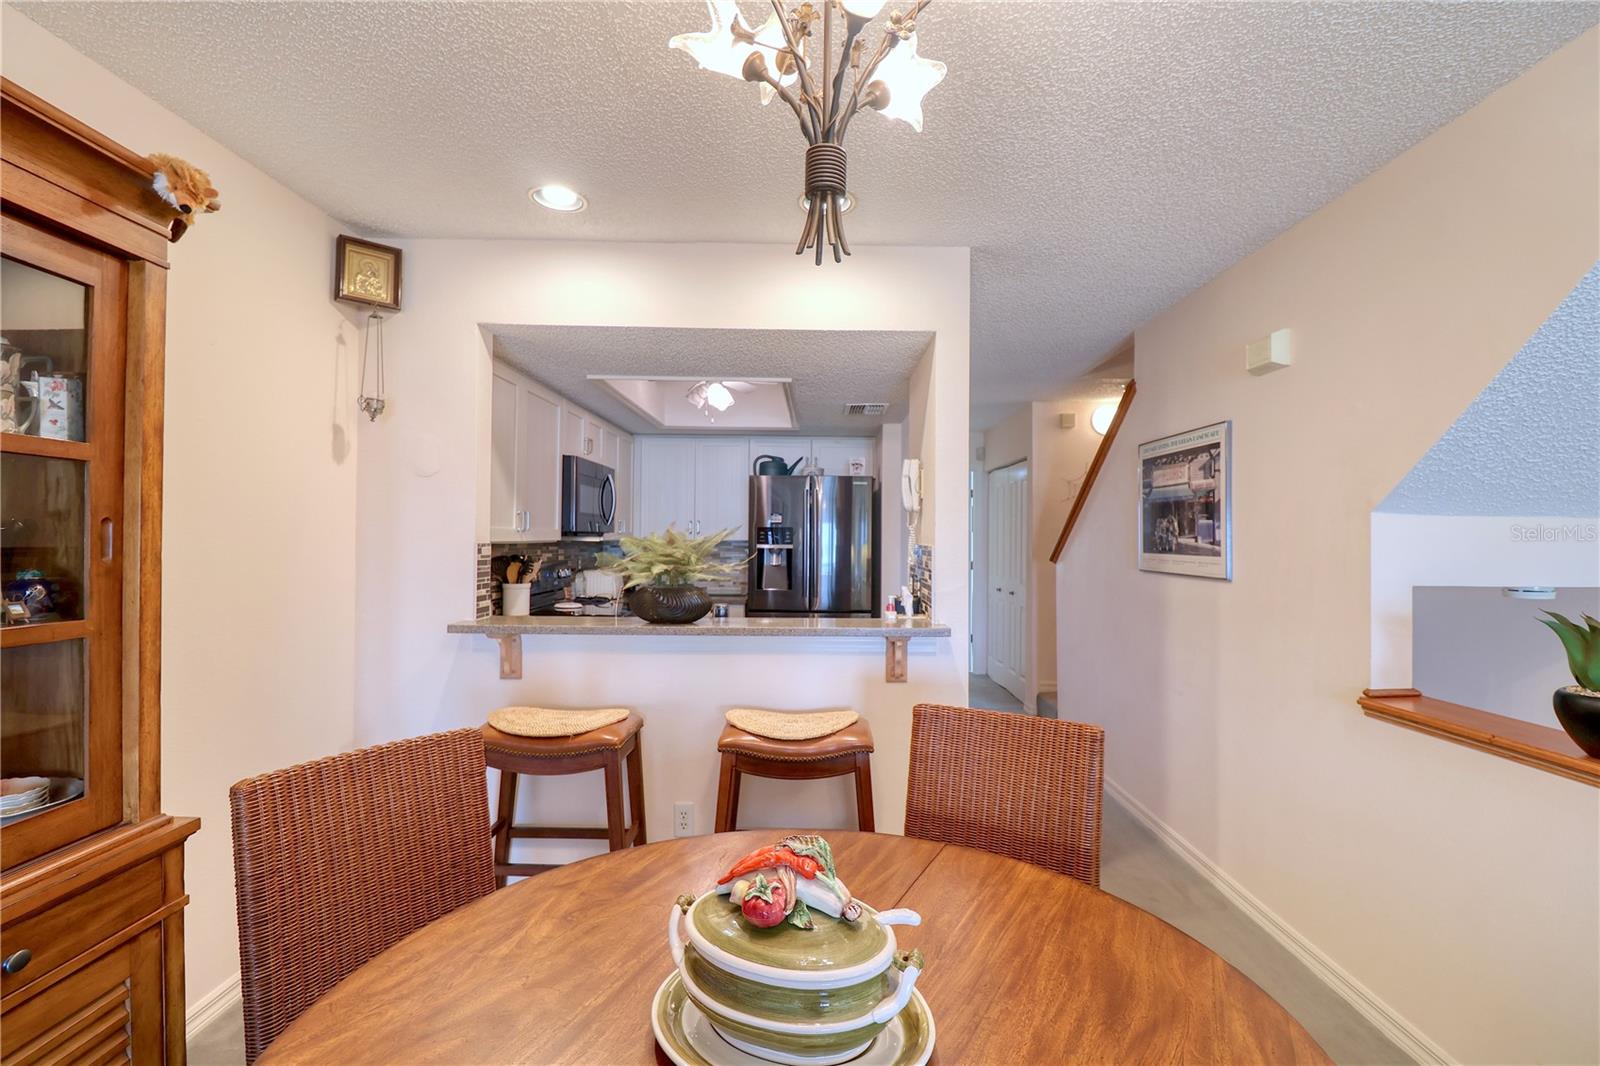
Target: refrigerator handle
(813,519)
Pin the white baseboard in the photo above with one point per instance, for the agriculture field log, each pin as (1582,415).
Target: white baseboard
(213,1005)
(1385,1018)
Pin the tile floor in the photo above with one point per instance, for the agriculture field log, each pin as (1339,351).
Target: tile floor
(1136,866)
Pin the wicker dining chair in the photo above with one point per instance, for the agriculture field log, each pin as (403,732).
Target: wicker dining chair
(1012,784)
(337,859)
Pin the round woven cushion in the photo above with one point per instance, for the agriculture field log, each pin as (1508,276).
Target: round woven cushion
(549,722)
(786,725)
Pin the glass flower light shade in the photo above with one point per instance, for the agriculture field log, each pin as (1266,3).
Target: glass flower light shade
(769,39)
(865,9)
(908,77)
(721,49)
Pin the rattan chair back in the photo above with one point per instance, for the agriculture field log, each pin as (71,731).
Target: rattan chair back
(1008,783)
(337,859)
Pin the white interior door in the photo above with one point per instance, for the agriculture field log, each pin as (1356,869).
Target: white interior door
(1007,592)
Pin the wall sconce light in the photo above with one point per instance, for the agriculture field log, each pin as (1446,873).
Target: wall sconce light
(1100,419)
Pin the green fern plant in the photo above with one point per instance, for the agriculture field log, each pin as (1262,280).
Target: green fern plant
(671,558)
(1582,643)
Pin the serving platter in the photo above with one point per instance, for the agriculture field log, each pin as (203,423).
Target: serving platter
(687,1037)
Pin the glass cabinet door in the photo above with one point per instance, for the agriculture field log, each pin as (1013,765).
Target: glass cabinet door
(62,321)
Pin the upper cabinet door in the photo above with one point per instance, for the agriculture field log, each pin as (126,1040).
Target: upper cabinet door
(836,454)
(666,492)
(505,503)
(580,433)
(722,486)
(539,469)
(625,484)
(62,308)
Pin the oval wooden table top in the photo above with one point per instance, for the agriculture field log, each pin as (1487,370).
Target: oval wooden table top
(1024,966)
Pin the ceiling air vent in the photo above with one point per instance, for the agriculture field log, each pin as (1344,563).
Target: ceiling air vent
(865,408)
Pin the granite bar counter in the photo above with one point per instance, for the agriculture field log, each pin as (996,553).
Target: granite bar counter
(509,631)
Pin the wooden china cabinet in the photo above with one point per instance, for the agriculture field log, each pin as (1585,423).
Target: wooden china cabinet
(91,871)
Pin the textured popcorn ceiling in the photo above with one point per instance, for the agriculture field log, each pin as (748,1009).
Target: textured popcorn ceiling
(1530,443)
(830,368)
(1101,160)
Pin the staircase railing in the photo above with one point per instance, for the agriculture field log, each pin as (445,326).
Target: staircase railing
(1094,469)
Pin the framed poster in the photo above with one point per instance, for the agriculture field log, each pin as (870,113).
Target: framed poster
(1186,503)
(366,273)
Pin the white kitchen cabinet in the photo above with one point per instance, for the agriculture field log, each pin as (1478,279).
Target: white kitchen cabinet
(525,465)
(666,483)
(539,446)
(580,433)
(505,508)
(721,486)
(791,450)
(833,454)
(616,452)
(626,485)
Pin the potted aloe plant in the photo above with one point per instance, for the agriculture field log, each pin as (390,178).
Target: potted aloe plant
(1578,706)
(663,573)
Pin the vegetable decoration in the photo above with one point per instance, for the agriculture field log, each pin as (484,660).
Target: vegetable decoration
(795,874)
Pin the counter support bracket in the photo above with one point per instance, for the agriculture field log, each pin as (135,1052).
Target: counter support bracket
(510,657)
(894,658)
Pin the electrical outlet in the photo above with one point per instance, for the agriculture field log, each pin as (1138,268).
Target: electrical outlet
(683,819)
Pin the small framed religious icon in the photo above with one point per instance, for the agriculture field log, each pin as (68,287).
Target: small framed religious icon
(366,273)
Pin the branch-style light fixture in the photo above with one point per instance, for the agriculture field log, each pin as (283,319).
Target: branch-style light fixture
(785,57)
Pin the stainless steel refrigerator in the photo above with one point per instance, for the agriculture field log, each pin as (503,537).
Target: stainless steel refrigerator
(815,544)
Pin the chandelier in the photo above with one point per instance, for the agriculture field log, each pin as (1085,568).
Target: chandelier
(794,57)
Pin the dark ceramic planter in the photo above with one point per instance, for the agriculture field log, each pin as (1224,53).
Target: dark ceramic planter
(1579,715)
(669,604)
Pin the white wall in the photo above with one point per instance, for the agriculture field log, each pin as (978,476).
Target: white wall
(1459,888)
(1480,647)
(258,613)
(423,505)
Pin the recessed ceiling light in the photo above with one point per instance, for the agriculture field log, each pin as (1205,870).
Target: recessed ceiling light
(557,198)
(846,203)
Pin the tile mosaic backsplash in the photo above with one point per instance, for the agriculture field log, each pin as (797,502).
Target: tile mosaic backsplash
(581,555)
(922,578)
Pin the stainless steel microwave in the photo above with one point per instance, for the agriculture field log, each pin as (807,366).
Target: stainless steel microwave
(588,498)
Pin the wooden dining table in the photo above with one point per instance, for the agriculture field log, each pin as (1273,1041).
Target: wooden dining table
(1023,966)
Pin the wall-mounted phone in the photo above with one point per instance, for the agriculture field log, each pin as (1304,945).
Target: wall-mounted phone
(911,485)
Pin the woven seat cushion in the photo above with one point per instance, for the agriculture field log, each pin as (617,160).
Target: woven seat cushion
(549,722)
(614,735)
(789,725)
(856,736)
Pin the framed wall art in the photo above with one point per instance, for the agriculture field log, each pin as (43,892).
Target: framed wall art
(366,273)
(1186,503)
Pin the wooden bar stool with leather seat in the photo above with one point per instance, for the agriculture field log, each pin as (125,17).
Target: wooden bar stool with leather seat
(549,743)
(793,746)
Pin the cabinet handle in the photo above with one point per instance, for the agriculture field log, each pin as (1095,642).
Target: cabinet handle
(107,529)
(16,962)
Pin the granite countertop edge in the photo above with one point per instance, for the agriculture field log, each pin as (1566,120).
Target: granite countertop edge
(596,625)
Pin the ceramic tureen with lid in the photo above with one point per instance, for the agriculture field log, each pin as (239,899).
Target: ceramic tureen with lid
(780,964)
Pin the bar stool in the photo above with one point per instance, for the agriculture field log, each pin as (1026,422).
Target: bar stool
(827,744)
(604,747)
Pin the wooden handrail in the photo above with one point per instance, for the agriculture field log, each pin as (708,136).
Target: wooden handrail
(1094,468)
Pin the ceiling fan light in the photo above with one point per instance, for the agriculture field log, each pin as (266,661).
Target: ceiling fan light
(906,78)
(718,396)
(724,48)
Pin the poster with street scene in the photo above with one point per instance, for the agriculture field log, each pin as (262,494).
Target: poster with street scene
(1185,513)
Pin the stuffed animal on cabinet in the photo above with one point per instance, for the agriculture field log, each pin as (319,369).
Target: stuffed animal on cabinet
(185,186)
